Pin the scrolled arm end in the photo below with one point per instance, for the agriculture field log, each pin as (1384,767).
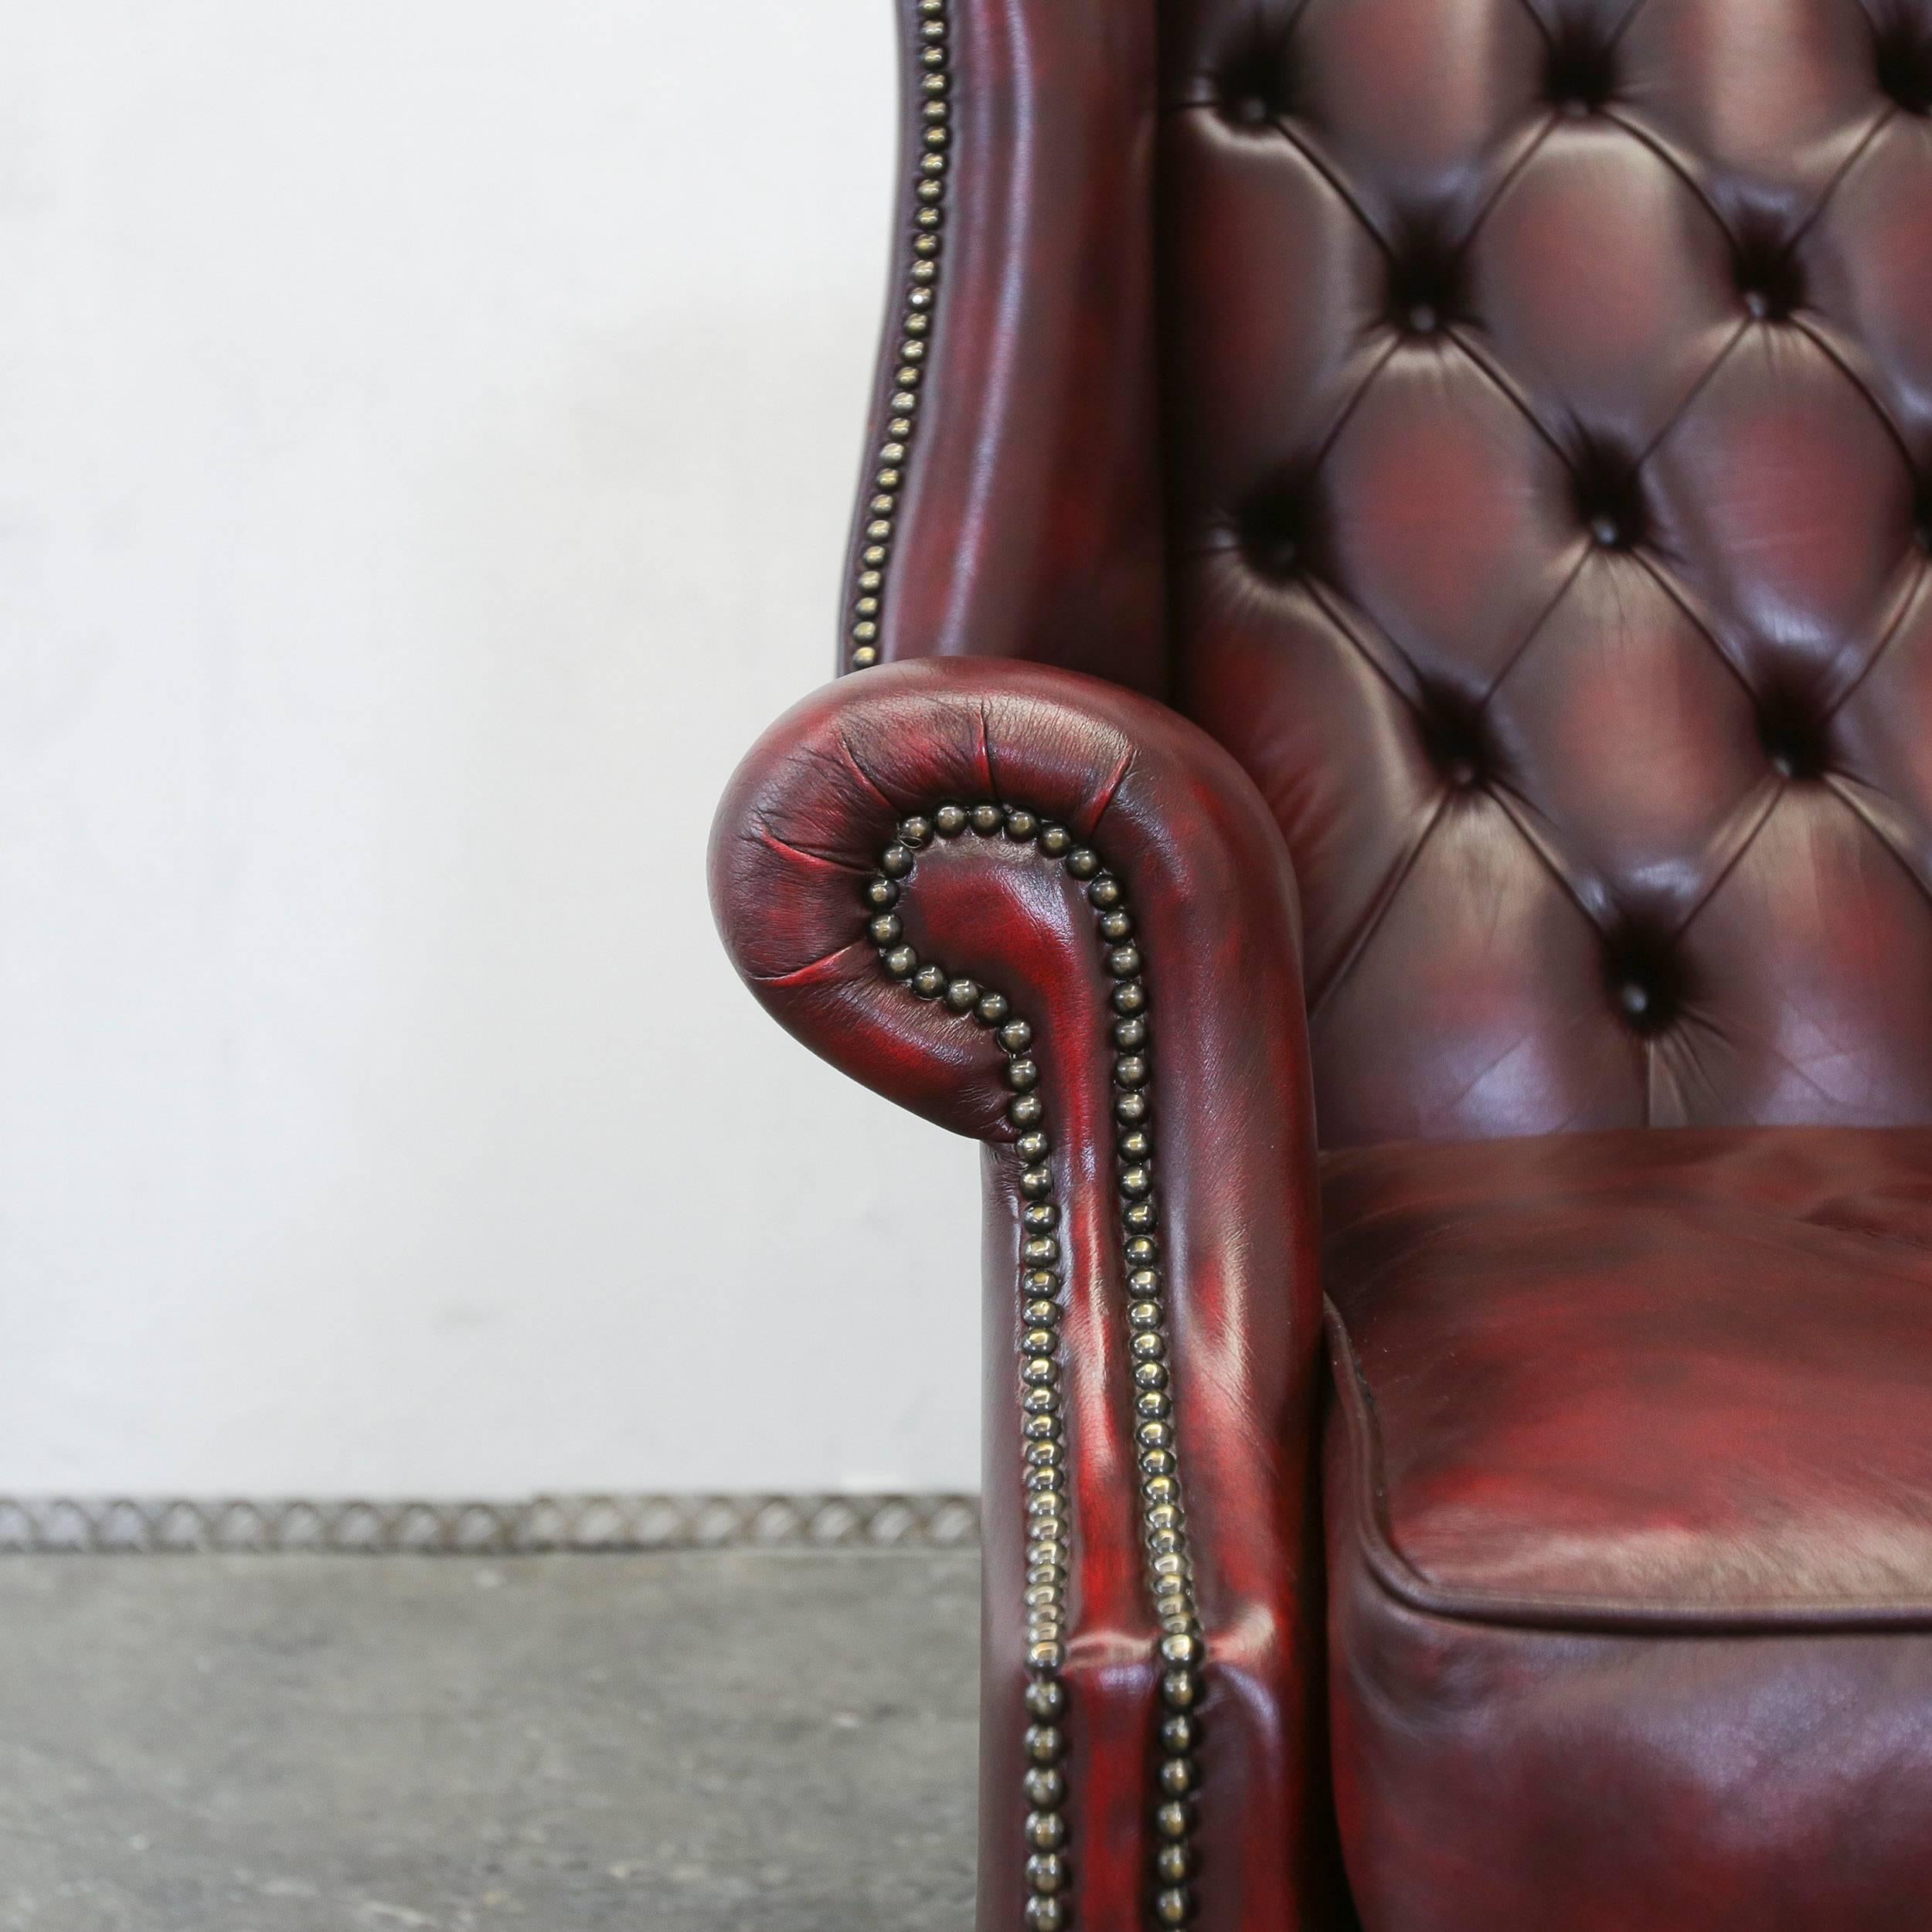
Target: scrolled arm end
(1056,917)
(800,832)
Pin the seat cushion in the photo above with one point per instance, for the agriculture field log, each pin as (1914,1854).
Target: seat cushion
(1629,1495)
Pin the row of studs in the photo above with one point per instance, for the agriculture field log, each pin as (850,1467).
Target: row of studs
(1163,1520)
(915,324)
(1163,1515)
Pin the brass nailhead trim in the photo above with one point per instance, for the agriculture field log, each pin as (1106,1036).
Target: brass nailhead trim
(1170,1572)
(919,300)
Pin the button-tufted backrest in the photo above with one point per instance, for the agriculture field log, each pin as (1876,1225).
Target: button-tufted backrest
(1549,388)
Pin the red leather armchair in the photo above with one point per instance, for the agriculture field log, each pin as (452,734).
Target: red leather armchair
(1388,769)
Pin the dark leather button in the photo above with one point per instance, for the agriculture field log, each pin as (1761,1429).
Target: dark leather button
(1454,734)
(1646,978)
(1580,74)
(1609,496)
(1279,527)
(1426,277)
(1793,737)
(1903,47)
(1769,275)
(1255,88)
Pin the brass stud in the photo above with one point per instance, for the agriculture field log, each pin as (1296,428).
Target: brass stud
(1045,1831)
(1046,1872)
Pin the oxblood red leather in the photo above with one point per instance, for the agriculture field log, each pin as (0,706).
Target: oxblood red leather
(1630,1528)
(1653,1380)
(797,835)
(1505,426)
(1033,520)
(1549,390)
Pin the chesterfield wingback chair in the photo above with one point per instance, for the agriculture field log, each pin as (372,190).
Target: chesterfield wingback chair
(1386,775)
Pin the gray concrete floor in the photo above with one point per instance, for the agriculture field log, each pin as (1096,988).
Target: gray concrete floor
(771,1743)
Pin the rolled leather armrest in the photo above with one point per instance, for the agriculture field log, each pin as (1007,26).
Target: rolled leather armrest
(1057,917)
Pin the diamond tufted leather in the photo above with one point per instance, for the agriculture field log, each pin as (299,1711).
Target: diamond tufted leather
(1549,394)
(1505,426)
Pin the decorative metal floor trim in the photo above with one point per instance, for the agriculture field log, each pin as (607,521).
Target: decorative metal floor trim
(173,1525)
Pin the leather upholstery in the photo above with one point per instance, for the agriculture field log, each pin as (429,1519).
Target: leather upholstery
(1549,387)
(1031,512)
(796,836)
(1628,1524)
(1505,426)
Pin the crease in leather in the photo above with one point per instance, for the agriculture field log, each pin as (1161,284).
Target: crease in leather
(1401,1579)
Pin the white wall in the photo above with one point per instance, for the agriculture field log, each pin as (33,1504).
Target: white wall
(427,429)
